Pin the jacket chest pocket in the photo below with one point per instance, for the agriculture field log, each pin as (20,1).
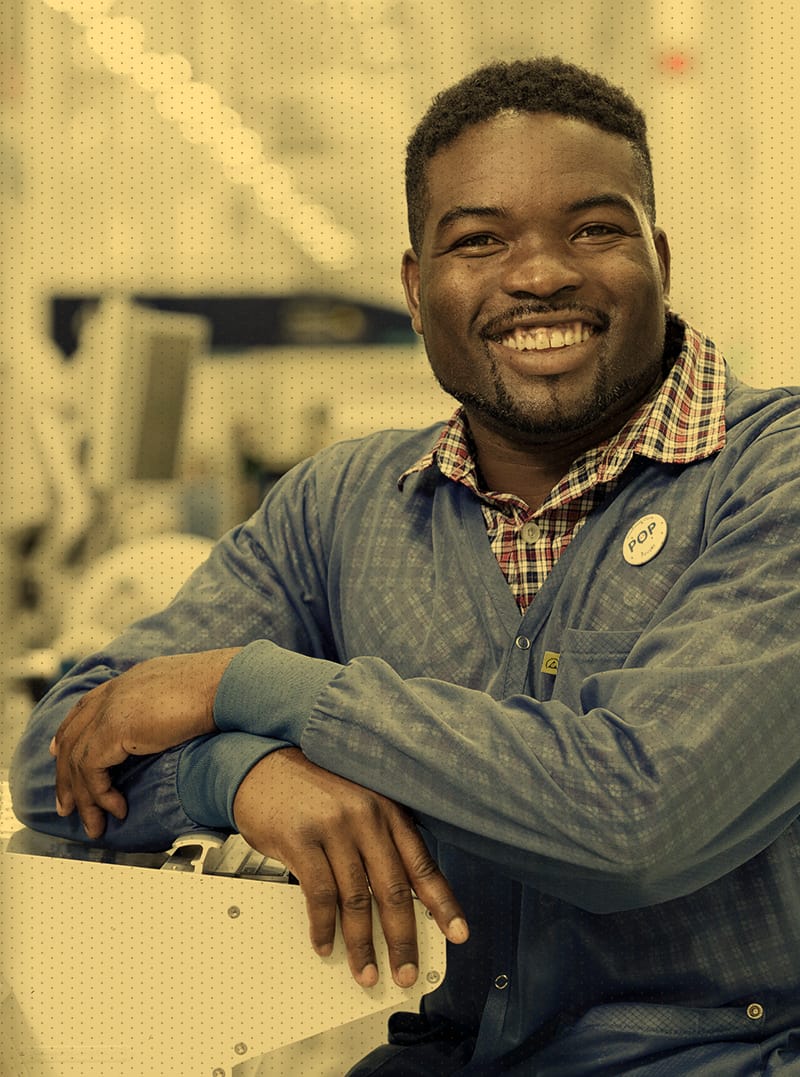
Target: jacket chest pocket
(585,653)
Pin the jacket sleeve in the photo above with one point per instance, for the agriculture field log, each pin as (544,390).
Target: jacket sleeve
(662,776)
(239,594)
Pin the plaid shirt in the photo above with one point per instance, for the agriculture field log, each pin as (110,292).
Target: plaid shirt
(685,421)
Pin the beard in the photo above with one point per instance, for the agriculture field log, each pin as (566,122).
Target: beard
(551,416)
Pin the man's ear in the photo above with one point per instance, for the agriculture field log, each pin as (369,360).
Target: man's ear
(664,256)
(410,274)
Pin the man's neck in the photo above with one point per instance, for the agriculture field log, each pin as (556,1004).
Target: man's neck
(529,469)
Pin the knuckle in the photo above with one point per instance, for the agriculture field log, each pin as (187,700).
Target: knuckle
(321,897)
(73,762)
(366,808)
(98,783)
(396,895)
(79,756)
(357,901)
(83,802)
(64,731)
(423,867)
(404,951)
(309,831)
(361,951)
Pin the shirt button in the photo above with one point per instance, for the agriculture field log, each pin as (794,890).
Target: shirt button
(530,532)
(501,982)
(755,1011)
(522,642)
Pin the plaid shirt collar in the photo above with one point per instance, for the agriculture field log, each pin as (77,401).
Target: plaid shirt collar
(684,422)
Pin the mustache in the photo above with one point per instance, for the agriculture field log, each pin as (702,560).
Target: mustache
(569,312)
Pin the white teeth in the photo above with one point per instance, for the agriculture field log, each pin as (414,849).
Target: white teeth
(557,339)
(543,337)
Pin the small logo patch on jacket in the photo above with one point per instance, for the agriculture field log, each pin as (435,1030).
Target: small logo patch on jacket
(550,662)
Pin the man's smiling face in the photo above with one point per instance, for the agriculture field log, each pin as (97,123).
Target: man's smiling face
(540,284)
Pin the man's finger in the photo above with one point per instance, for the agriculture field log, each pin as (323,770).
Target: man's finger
(65,747)
(76,714)
(428,882)
(87,750)
(98,790)
(94,796)
(395,902)
(355,908)
(310,867)
(94,821)
(321,900)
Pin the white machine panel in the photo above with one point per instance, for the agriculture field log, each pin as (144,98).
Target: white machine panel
(132,970)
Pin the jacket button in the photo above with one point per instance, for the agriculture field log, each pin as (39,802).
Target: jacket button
(501,982)
(755,1011)
(522,642)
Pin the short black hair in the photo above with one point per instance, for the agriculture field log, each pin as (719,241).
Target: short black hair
(546,84)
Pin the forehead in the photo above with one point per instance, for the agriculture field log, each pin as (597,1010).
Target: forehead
(514,155)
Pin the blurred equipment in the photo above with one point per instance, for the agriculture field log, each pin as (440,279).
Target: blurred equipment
(193,405)
(45,503)
(90,454)
(238,322)
(133,367)
(126,583)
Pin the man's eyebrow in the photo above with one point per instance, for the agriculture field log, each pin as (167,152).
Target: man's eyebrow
(458,213)
(598,201)
(592,201)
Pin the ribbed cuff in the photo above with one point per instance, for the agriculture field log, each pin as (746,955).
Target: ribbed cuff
(270,691)
(210,771)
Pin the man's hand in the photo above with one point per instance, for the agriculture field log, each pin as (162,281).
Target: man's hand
(153,706)
(341,840)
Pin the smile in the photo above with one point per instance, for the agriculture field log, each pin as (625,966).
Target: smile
(540,338)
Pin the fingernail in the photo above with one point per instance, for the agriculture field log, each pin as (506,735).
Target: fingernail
(457,930)
(59,807)
(53,746)
(368,976)
(325,950)
(406,975)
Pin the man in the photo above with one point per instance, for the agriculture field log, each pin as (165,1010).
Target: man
(562,633)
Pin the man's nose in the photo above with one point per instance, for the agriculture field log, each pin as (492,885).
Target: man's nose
(540,269)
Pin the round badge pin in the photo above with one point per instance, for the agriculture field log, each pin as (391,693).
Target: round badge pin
(645,539)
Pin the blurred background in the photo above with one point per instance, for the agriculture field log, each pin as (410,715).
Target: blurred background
(202,225)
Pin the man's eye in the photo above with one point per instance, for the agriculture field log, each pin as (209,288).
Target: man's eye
(481,239)
(598,230)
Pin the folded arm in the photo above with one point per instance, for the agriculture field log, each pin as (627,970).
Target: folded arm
(634,785)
